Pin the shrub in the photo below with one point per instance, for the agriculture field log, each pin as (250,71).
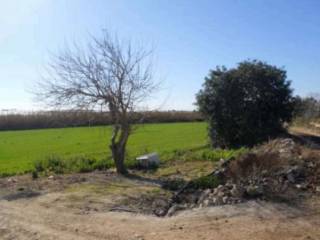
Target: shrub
(203,154)
(246,105)
(35,174)
(81,164)
(204,182)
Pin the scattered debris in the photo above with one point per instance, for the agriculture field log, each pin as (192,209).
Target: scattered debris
(148,161)
(12,180)
(51,177)
(277,170)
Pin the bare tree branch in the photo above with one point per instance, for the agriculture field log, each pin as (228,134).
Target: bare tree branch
(108,74)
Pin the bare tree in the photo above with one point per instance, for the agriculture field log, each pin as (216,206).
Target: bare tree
(114,75)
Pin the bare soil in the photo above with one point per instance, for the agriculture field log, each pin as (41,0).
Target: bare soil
(81,206)
(36,219)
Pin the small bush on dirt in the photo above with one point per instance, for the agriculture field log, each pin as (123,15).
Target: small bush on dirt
(206,153)
(58,165)
(81,164)
(3,175)
(173,184)
(204,182)
(102,164)
(35,174)
(53,163)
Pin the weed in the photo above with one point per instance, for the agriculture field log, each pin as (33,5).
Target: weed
(58,165)
(204,182)
(35,174)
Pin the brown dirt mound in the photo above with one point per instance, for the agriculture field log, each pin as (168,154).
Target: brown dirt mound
(280,170)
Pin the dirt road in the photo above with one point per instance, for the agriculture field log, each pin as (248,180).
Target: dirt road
(35,219)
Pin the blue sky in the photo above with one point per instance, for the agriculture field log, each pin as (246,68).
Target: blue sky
(190,37)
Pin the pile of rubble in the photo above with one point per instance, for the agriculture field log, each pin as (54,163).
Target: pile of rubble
(279,170)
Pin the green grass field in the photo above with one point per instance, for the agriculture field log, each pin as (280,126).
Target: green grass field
(20,149)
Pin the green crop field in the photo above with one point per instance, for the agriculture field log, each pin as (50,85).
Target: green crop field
(20,149)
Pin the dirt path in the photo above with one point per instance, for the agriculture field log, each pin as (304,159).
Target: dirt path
(33,219)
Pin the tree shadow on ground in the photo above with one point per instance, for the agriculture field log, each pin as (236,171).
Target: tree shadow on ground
(308,140)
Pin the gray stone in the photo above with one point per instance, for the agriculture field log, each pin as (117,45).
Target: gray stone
(206,203)
(236,191)
(217,201)
(225,200)
(204,195)
(254,191)
(220,194)
(174,209)
(301,186)
(12,180)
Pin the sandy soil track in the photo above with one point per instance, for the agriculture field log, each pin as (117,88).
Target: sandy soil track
(31,219)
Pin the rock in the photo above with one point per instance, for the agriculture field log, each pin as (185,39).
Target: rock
(159,203)
(192,198)
(229,185)
(220,173)
(51,177)
(225,200)
(217,201)
(295,174)
(12,180)
(220,187)
(206,203)
(220,194)
(138,237)
(159,212)
(318,189)
(285,186)
(286,146)
(254,191)
(264,173)
(298,186)
(291,178)
(236,191)
(224,163)
(174,209)
(204,195)
(311,165)
(301,186)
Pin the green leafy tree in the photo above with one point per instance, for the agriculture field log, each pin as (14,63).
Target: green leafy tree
(247,104)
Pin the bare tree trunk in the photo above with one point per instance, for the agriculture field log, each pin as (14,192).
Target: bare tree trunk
(118,147)
(118,155)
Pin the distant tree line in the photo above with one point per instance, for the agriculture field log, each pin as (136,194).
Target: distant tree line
(307,109)
(61,119)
